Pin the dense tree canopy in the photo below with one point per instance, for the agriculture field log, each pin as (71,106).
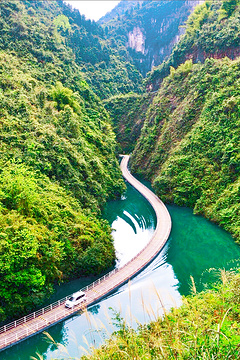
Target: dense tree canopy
(50,33)
(128,113)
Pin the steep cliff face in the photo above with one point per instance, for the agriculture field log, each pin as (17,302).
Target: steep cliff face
(136,40)
(148,29)
(189,143)
(212,32)
(155,37)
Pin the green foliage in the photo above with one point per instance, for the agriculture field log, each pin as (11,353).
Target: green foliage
(228,7)
(43,223)
(206,326)
(62,23)
(62,27)
(53,37)
(58,158)
(197,19)
(65,144)
(64,96)
(182,69)
(189,144)
(45,237)
(127,113)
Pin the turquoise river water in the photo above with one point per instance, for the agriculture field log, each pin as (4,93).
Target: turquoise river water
(196,247)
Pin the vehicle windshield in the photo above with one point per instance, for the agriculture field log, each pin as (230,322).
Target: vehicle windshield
(71,298)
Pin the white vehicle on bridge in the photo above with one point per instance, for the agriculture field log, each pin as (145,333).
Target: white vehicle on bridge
(75,299)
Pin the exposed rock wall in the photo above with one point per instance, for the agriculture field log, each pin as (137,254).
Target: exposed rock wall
(152,35)
(136,40)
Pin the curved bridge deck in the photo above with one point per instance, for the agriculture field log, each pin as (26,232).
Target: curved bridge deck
(36,322)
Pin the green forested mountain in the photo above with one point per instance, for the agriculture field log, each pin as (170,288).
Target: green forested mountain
(49,32)
(146,30)
(119,10)
(58,161)
(189,144)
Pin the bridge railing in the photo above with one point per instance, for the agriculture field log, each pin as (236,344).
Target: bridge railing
(60,302)
(52,306)
(24,331)
(32,316)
